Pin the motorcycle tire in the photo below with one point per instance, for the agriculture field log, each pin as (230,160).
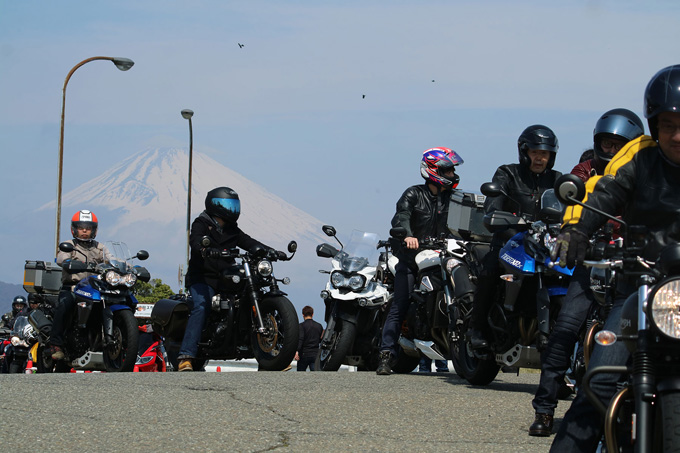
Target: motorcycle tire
(330,359)
(275,349)
(122,354)
(670,414)
(404,363)
(47,365)
(473,369)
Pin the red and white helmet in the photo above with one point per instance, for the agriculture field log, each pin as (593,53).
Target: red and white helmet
(81,219)
(436,162)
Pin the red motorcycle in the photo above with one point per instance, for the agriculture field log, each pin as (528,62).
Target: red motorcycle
(151,355)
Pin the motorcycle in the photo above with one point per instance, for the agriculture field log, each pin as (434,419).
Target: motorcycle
(22,339)
(250,315)
(356,300)
(101,334)
(528,302)
(646,406)
(151,354)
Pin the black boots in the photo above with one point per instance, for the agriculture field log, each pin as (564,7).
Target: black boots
(385,360)
(542,425)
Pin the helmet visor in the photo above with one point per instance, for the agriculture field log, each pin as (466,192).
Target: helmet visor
(232,205)
(84,225)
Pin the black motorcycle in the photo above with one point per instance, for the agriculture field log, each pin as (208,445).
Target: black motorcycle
(250,315)
(647,407)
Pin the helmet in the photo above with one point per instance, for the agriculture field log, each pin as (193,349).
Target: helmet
(436,162)
(224,203)
(537,137)
(620,122)
(81,219)
(33,298)
(18,304)
(662,95)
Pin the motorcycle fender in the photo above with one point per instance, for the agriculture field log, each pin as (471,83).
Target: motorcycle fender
(276,293)
(669,385)
(348,316)
(107,321)
(34,352)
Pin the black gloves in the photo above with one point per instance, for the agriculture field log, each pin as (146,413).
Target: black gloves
(211,252)
(571,247)
(274,254)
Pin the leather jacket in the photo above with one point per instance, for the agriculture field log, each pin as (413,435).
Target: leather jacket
(208,270)
(524,187)
(643,185)
(422,214)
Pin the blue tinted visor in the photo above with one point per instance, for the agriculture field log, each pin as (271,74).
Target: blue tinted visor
(230,204)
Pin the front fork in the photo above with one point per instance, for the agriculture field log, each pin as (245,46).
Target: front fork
(259,328)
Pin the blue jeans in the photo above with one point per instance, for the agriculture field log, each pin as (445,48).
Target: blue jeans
(403,286)
(557,355)
(425,365)
(201,295)
(306,362)
(581,428)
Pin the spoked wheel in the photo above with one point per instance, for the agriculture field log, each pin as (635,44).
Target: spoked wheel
(121,354)
(333,350)
(275,348)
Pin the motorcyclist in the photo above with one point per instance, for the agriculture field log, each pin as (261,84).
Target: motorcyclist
(84,226)
(18,304)
(643,178)
(218,222)
(422,210)
(612,131)
(33,303)
(524,183)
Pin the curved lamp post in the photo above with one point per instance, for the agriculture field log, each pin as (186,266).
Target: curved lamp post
(187,114)
(121,63)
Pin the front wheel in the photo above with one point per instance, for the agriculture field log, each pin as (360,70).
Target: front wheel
(404,363)
(275,348)
(670,413)
(333,352)
(475,370)
(121,353)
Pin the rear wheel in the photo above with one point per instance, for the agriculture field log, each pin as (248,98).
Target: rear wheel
(121,353)
(333,352)
(275,348)
(404,363)
(475,370)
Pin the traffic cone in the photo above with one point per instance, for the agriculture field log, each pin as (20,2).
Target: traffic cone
(219,369)
(29,366)
(135,369)
(73,370)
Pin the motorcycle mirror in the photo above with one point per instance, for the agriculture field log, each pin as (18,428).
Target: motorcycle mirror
(570,189)
(491,189)
(292,247)
(398,232)
(66,247)
(205,241)
(142,255)
(329,230)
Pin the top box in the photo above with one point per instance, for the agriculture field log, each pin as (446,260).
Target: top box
(42,277)
(466,216)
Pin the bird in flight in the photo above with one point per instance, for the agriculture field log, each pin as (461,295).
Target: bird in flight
(363,96)
(241,45)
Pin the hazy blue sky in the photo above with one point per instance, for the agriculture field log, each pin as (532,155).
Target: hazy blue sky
(287,111)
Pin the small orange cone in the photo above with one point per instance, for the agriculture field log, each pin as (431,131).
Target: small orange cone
(29,366)
(135,369)
(73,370)
(219,369)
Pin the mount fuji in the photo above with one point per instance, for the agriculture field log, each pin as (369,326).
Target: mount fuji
(142,201)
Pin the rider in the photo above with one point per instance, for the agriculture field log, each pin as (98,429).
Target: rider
(523,183)
(84,229)
(422,210)
(642,182)
(612,131)
(18,304)
(218,222)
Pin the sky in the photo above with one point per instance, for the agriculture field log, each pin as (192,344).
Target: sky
(329,105)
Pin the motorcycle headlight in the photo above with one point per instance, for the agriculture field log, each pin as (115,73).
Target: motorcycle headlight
(356,282)
(665,308)
(337,279)
(264,268)
(113,278)
(129,280)
(449,264)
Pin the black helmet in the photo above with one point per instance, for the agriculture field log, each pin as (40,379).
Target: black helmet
(223,202)
(537,137)
(620,122)
(662,95)
(18,304)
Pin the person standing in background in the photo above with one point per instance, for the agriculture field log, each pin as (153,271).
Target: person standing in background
(310,338)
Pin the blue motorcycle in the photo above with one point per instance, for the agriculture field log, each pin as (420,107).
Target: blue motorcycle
(102,332)
(529,300)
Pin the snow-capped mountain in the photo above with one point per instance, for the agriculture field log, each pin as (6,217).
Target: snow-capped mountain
(142,201)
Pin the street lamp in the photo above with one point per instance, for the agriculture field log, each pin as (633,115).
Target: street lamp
(121,63)
(187,114)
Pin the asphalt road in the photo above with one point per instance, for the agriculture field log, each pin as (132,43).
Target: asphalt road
(267,411)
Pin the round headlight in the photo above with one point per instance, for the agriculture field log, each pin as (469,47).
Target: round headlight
(264,268)
(449,264)
(665,308)
(129,280)
(113,278)
(356,282)
(337,279)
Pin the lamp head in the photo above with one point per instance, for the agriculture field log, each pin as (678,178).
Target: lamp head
(187,114)
(123,63)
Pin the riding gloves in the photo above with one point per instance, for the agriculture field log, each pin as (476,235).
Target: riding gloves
(571,247)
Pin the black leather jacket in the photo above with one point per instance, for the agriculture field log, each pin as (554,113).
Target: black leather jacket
(525,187)
(422,214)
(207,270)
(641,183)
